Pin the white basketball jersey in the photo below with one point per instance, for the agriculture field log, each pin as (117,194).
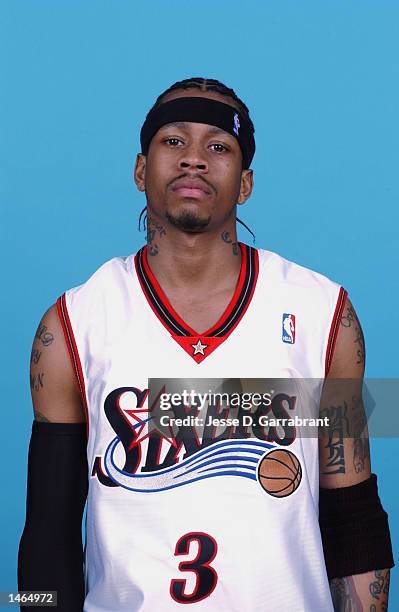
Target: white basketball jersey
(182,515)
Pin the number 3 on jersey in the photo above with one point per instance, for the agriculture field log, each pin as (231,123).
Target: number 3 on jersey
(205,576)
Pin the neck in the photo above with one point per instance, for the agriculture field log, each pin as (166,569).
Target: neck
(193,262)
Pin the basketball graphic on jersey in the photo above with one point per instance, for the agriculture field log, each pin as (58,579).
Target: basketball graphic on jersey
(280,473)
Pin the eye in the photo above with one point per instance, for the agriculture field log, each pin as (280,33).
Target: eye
(172,141)
(219,148)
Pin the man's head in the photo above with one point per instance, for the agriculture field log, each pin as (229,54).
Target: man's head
(197,145)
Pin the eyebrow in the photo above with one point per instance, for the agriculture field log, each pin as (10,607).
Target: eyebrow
(183,124)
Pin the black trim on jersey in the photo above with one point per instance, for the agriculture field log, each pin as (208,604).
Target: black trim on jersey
(243,297)
(153,297)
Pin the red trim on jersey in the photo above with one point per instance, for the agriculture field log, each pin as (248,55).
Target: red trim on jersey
(161,295)
(73,352)
(332,338)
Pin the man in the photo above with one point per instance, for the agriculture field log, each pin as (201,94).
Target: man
(222,516)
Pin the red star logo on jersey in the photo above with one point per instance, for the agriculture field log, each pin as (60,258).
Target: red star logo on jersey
(199,347)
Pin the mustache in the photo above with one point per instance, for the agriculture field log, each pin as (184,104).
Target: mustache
(193,176)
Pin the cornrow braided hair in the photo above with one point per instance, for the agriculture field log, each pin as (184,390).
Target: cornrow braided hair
(203,85)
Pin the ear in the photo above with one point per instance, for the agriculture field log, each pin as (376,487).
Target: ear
(139,171)
(247,184)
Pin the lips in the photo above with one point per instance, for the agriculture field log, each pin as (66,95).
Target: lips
(191,187)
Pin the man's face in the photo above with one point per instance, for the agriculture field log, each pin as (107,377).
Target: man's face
(193,173)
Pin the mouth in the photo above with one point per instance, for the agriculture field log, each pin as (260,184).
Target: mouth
(191,188)
(190,192)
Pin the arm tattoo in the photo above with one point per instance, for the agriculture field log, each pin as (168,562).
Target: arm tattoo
(344,595)
(338,426)
(379,587)
(361,448)
(40,417)
(361,351)
(361,452)
(152,228)
(350,319)
(35,356)
(234,244)
(36,381)
(45,336)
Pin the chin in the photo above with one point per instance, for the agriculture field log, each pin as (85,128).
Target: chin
(188,221)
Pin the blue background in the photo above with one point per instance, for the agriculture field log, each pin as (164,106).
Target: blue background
(321,80)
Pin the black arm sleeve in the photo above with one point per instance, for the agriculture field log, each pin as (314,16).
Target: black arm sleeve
(50,556)
(354,530)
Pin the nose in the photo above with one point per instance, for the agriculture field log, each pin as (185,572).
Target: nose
(193,157)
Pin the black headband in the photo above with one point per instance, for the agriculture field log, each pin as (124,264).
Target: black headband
(201,110)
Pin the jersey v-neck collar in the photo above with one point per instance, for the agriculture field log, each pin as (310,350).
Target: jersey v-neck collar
(200,346)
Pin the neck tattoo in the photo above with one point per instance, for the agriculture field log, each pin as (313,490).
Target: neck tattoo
(225,236)
(155,232)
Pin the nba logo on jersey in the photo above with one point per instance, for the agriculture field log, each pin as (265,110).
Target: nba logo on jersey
(288,328)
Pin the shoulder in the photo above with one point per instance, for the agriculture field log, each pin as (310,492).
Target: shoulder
(284,271)
(108,282)
(111,270)
(349,352)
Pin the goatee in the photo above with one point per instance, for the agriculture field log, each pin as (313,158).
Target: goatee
(188,222)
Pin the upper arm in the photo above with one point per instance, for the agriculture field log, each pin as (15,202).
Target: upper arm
(55,393)
(343,446)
